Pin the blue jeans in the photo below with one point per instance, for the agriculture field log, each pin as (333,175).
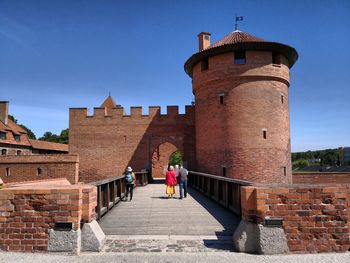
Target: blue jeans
(183,185)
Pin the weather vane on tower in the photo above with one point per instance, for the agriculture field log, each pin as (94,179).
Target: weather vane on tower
(238,18)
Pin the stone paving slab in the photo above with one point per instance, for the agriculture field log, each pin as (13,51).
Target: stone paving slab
(172,243)
(173,257)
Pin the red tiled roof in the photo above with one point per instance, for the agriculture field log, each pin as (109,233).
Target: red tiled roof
(51,146)
(235,38)
(238,40)
(108,103)
(13,128)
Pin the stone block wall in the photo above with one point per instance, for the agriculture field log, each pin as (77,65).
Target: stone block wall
(36,167)
(28,212)
(316,218)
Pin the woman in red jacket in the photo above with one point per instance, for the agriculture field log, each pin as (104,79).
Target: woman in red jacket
(170,181)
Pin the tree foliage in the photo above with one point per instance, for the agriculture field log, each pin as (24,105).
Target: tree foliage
(51,137)
(175,158)
(322,157)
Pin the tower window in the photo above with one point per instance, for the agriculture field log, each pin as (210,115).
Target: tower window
(8,171)
(3,152)
(2,135)
(205,64)
(19,152)
(240,57)
(264,133)
(285,171)
(276,58)
(221,97)
(39,172)
(282,99)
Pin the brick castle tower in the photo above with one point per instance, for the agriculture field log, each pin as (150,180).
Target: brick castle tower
(240,85)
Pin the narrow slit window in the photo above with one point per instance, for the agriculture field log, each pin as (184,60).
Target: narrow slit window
(8,171)
(264,134)
(124,139)
(19,152)
(221,96)
(276,58)
(205,64)
(285,171)
(224,171)
(39,172)
(3,152)
(240,58)
(282,99)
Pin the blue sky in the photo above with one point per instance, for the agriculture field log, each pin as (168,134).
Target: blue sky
(60,54)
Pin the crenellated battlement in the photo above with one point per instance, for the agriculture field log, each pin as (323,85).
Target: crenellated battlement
(136,112)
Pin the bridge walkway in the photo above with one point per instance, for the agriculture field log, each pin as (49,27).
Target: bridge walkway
(150,215)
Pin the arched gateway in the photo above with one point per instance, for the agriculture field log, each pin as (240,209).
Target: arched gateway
(160,158)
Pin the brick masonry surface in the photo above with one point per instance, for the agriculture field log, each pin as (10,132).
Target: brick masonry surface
(109,141)
(35,167)
(27,212)
(229,131)
(315,217)
(321,178)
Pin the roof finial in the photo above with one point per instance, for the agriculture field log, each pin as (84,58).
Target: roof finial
(238,18)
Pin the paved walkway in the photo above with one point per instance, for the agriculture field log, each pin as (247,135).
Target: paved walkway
(151,213)
(153,223)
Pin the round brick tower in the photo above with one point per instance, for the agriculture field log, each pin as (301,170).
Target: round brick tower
(240,85)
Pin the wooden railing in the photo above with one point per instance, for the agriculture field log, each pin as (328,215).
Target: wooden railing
(224,190)
(112,190)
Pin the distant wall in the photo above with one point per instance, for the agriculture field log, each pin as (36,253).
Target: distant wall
(321,178)
(316,218)
(109,141)
(35,167)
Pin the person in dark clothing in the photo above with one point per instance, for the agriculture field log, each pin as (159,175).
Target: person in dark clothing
(130,180)
(183,181)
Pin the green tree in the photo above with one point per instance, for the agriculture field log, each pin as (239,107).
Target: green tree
(175,158)
(64,136)
(299,164)
(51,137)
(329,158)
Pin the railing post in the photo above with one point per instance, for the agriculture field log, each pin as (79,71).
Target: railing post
(225,196)
(99,202)
(216,190)
(108,196)
(114,193)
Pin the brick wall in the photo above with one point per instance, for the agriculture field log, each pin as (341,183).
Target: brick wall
(231,134)
(107,144)
(27,213)
(316,218)
(321,178)
(36,167)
